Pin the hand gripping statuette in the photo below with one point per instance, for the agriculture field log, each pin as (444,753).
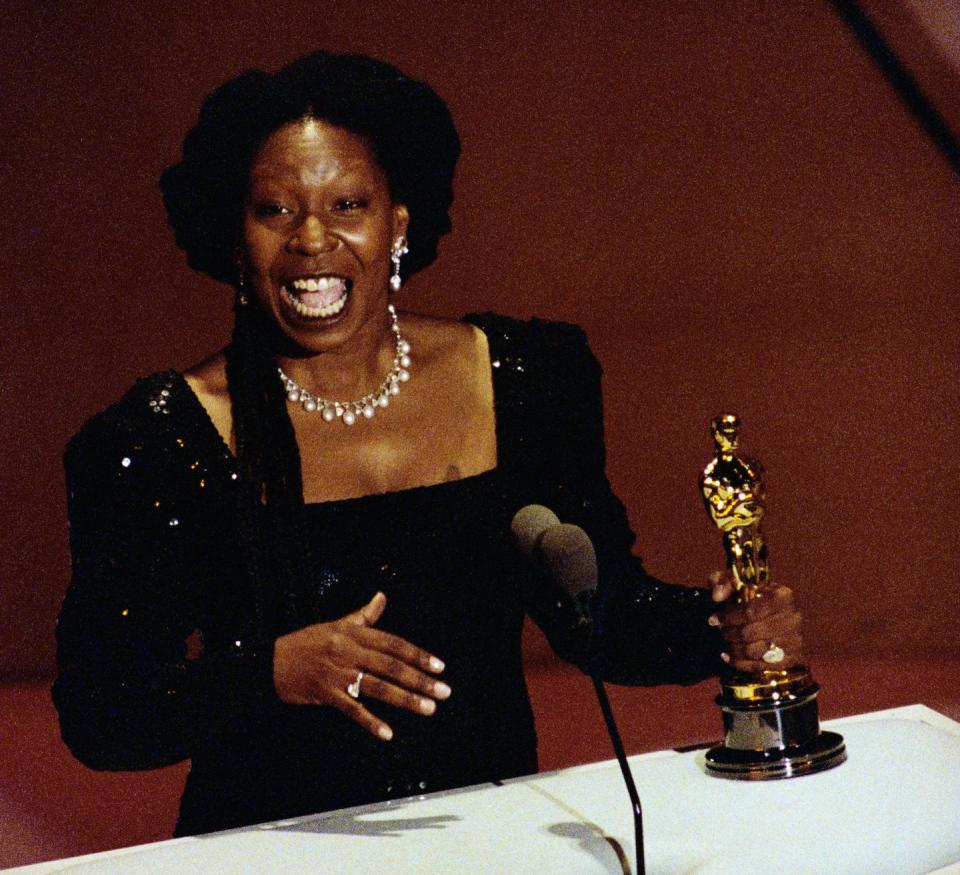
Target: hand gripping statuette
(770,720)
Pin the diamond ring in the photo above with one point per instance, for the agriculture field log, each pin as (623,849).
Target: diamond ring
(774,654)
(353,690)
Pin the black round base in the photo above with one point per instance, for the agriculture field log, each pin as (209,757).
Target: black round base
(824,752)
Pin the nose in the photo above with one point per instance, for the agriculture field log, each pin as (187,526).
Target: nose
(312,237)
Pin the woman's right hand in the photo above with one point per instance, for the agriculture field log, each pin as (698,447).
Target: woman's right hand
(316,664)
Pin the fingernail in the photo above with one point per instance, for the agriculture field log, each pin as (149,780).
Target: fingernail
(436,664)
(713,620)
(385,732)
(725,657)
(427,706)
(441,690)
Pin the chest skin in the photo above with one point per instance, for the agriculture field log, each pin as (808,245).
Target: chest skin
(440,427)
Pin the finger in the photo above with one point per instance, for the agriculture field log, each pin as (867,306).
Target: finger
(754,666)
(360,715)
(780,600)
(775,628)
(722,590)
(754,650)
(370,612)
(386,667)
(377,688)
(788,642)
(375,640)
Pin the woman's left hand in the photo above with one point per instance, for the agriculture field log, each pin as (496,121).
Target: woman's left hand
(764,626)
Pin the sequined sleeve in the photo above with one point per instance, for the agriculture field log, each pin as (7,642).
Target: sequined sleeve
(646,631)
(128,693)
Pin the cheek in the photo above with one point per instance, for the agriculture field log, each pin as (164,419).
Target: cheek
(377,229)
(375,245)
(261,248)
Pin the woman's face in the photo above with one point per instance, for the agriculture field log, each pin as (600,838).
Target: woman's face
(318,227)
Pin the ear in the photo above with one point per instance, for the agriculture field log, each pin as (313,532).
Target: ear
(401,219)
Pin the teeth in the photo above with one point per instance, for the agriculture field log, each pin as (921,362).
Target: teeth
(314,284)
(314,312)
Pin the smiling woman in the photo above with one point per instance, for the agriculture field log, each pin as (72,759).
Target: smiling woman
(328,500)
(318,227)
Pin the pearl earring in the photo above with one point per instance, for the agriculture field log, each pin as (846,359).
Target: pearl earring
(400,249)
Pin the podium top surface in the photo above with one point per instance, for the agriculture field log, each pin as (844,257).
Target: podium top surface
(893,807)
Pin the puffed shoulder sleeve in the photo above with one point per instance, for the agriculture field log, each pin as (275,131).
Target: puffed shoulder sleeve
(129,695)
(646,631)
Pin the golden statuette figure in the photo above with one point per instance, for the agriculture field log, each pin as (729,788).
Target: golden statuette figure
(771,725)
(733,492)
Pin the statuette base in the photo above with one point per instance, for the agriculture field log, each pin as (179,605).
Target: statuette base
(772,729)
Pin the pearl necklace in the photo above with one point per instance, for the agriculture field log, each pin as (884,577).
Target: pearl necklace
(350,411)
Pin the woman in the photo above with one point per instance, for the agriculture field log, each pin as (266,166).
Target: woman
(321,511)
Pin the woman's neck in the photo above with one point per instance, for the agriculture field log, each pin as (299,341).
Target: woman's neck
(348,371)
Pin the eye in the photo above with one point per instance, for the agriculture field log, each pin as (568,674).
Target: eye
(350,204)
(266,209)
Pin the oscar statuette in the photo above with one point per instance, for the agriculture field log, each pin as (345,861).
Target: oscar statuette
(770,720)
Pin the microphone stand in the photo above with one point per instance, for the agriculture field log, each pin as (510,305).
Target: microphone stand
(624,768)
(566,553)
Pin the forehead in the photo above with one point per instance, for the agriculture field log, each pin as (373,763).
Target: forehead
(314,152)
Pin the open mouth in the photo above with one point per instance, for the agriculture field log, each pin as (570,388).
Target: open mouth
(317,297)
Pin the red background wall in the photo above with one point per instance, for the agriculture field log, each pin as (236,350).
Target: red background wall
(729,196)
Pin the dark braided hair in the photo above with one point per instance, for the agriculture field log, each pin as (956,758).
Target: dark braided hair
(414,140)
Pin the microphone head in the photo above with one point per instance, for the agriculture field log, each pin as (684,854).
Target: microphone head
(528,525)
(568,553)
(562,549)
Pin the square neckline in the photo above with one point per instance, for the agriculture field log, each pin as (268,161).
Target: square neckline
(470,479)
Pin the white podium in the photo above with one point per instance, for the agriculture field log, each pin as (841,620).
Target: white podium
(893,807)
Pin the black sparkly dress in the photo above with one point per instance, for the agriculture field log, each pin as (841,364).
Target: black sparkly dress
(155,562)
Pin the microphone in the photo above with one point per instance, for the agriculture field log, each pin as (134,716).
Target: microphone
(566,552)
(561,549)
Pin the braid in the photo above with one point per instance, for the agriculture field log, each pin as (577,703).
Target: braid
(270,513)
